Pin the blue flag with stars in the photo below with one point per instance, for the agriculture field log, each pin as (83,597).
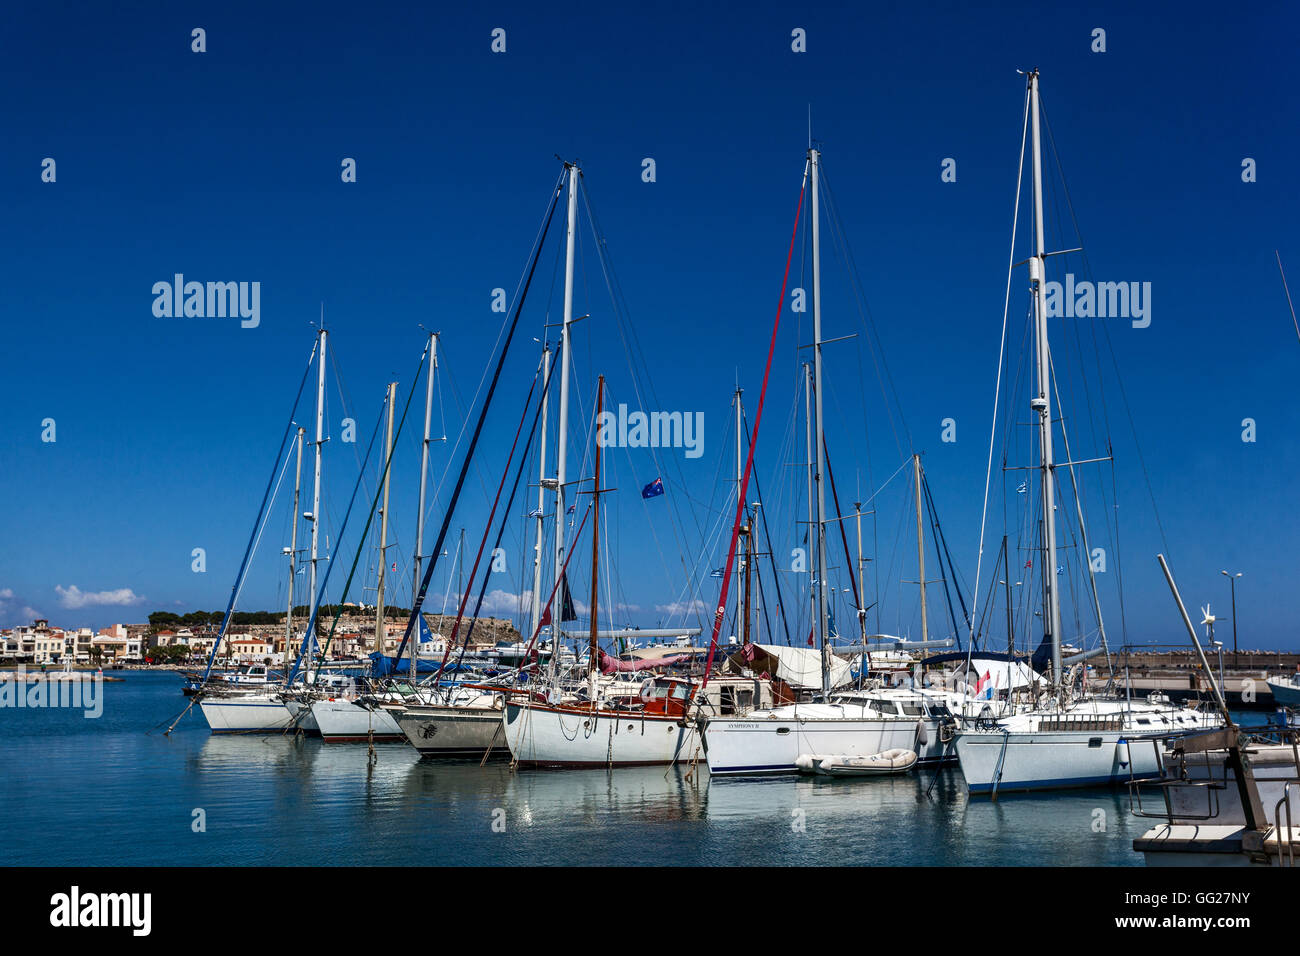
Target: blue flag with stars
(654,489)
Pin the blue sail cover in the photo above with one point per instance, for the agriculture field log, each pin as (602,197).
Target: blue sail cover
(383,666)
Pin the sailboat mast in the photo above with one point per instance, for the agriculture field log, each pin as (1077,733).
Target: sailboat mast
(310,639)
(920,547)
(814,159)
(747,530)
(383,527)
(593,650)
(812,500)
(740,477)
(539,529)
(424,480)
(862,586)
(563,437)
(293,547)
(1042,403)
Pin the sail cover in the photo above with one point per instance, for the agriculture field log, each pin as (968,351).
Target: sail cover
(800,667)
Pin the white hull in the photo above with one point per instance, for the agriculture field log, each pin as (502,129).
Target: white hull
(346,721)
(1103,742)
(1047,761)
(304,719)
(549,736)
(764,744)
(250,714)
(448,731)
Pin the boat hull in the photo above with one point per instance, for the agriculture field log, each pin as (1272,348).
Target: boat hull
(765,745)
(454,732)
(246,715)
(343,721)
(304,720)
(1054,761)
(543,735)
(1285,694)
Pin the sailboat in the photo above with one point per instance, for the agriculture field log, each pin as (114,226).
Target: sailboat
(349,718)
(843,721)
(265,711)
(1068,741)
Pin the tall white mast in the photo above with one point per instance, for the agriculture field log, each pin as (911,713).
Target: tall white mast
(740,477)
(810,538)
(814,159)
(1042,403)
(383,526)
(539,527)
(920,547)
(557,614)
(309,640)
(293,547)
(424,477)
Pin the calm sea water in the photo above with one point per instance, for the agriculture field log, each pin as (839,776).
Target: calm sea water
(108,792)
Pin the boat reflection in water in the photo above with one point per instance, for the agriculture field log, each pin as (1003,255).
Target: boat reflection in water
(302,802)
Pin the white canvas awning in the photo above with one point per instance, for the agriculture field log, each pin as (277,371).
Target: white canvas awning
(1003,674)
(800,667)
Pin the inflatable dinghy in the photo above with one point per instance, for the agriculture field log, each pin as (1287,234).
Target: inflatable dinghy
(842,765)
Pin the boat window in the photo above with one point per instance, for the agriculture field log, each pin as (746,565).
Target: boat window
(911,709)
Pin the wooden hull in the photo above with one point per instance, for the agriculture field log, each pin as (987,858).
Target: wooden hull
(544,735)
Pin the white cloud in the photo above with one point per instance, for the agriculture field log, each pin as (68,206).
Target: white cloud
(73,597)
(693,606)
(498,601)
(14,611)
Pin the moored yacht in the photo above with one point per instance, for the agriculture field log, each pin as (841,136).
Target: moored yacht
(1088,742)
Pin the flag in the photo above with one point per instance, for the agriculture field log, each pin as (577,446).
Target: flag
(1022,488)
(985,681)
(572,508)
(716,573)
(567,613)
(1029,563)
(654,489)
(535,514)
(425,636)
(810,638)
(546,617)
(394,565)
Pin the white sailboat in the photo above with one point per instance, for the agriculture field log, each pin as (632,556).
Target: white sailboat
(1085,741)
(265,711)
(846,722)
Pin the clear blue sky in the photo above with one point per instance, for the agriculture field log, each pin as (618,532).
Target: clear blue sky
(225,165)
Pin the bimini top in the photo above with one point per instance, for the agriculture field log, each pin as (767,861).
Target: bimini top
(800,667)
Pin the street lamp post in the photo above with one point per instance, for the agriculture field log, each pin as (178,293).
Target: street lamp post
(1232,580)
